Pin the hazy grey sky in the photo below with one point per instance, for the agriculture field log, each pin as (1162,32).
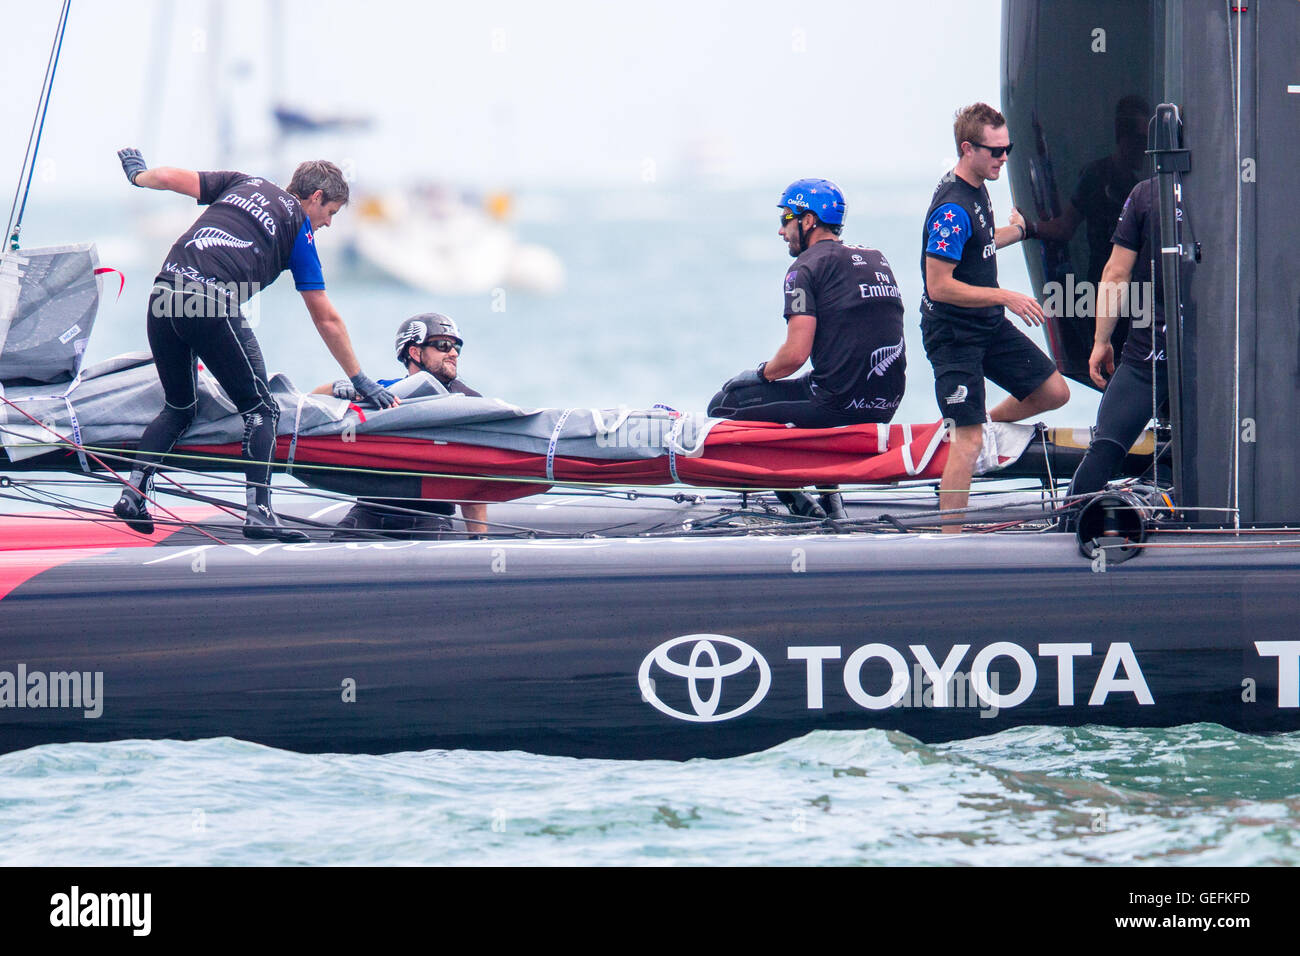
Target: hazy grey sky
(508,92)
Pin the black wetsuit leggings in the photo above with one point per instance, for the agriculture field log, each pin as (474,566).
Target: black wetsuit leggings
(1125,409)
(789,400)
(230,352)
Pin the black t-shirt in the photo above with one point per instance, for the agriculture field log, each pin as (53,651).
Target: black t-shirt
(959,228)
(858,360)
(242,241)
(457,387)
(1138,226)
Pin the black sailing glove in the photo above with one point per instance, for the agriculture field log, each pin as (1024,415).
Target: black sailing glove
(343,389)
(132,164)
(372,392)
(753,376)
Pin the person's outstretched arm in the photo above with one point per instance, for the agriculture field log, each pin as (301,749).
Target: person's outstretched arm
(173,178)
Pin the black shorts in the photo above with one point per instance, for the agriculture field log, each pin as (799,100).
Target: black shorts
(789,401)
(963,356)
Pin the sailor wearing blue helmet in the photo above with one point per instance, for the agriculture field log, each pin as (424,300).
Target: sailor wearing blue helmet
(843,310)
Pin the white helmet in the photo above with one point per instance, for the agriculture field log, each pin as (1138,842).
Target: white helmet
(417,329)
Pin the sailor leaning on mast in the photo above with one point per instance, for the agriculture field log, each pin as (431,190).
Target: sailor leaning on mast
(964,327)
(1127,404)
(251,231)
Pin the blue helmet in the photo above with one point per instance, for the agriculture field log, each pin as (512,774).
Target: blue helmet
(819,196)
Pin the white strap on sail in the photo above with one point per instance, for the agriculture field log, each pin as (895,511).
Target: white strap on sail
(674,439)
(907,450)
(76,426)
(303,399)
(550,449)
(293,441)
(914,467)
(74,423)
(599,420)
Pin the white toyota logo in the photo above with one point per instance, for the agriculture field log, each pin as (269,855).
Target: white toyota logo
(712,669)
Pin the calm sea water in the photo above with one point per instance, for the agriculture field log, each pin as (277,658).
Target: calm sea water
(659,306)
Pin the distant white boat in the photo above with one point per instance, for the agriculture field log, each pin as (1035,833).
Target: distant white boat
(436,241)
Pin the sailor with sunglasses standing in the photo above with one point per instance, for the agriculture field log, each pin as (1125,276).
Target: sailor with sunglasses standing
(966,333)
(432,343)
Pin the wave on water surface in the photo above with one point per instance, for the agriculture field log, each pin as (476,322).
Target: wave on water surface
(1197,794)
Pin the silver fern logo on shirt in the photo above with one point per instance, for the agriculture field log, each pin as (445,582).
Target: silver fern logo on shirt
(210,236)
(884,357)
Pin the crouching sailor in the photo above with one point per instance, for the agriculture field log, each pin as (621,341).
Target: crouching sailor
(842,309)
(431,343)
(251,231)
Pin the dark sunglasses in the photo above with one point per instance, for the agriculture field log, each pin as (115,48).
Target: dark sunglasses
(996,152)
(442,345)
(786,218)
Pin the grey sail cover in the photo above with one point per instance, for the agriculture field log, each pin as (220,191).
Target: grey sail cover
(48,301)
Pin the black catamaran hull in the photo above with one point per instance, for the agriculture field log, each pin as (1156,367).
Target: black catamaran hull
(647,649)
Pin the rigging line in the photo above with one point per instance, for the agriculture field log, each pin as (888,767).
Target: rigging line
(1234,532)
(1234,460)
(109,520)
(47,498)
(792,484)
(96,459)
(42,106)
(892,487)
(33,494)
(1230,545)
(90,512)
(181,491)
(129,457)
(99,516)
(32,135)
(1047,459)
(770,523)
(92,480)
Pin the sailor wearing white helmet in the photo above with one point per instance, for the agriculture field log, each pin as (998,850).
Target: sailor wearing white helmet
(430,342)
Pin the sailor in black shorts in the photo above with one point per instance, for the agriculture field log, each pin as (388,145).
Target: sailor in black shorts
(966,334)
(1138,389)
(251,231)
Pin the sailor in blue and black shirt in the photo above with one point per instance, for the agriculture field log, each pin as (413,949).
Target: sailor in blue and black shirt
(966,333)
(250,232)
